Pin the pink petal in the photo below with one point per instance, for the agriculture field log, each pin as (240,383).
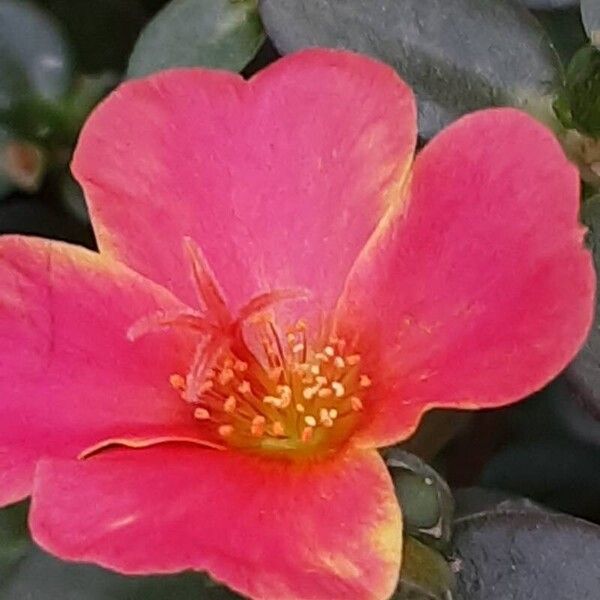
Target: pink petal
(268,529)
(280,180)
(482,292)
(69,377)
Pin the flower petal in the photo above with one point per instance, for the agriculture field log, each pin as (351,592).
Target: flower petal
(69,377)
(267,528)
(482,291)
(280,180)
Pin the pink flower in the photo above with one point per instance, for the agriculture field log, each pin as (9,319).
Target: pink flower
(229,421)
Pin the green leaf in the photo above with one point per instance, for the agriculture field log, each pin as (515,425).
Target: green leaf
(565,29)
(425,574)
(549,4)
(458,56)
(590,13)
(86,20)
(34,58)
(26,572)
(39,576)
(583,374)
(5,184)
(579,101)
(220,34)
(528,554)
(14,539)
(425,498)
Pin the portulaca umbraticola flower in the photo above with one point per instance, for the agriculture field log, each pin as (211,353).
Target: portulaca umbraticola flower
(280,290)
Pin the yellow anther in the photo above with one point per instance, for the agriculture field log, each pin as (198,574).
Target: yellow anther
(207,385)
(226,430)
(333,413)
(315,369)
(291,337)
(338,388)
(324,393)
(244,387)
(323,414)
(310,421)
(365,381)
(329,351)
(230,404)
(353,360)
(322,357)
(356,403)
(177,382)
(273,400)
(278,429)
(299,347)
(308,393)
(226,376)
(321,380)
(258,426)
(201,414)
(240,366)
(339,362)
(300,408)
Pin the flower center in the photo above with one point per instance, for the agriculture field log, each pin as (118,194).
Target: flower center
(285,399)
(252,387)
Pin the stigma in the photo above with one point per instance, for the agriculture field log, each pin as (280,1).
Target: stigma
(283,396)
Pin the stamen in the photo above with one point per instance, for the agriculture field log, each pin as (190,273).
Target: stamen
(230,404)
(201,414)
(310,421)
(365,381)
(338,389)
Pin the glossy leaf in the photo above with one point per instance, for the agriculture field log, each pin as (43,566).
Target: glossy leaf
(549,4)
(579,102)
(526,554)
(87,23)
(28,572)
(425,498)
(565,29)
(34,58)
(473,500)
(562,474)
(590,13)
(425,574)
(219,34)
(5,184)
(14,539)
(458,56)
(583,374)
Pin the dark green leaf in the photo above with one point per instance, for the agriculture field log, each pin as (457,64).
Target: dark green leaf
(458,56)
(5,185)
(578,105)
(425,498)
(549,4)
(583,375)
(34,58)
(221,34)
(565,29)
(560,473)
(528,555)
(39,576)
(425,574)
(472,500)
(102,32)
(14,539)
(590,12)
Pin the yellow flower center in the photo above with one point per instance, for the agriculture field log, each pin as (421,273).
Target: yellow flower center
(285,398)
(253,388)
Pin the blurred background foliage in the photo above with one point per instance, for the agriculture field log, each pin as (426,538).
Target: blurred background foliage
(528,474)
